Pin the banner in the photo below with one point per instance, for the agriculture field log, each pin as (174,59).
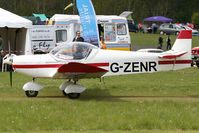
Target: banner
(88,21)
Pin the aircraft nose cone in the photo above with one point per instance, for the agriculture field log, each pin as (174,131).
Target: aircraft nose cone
(8,60)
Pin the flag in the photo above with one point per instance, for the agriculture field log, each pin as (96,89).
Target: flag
(88,21)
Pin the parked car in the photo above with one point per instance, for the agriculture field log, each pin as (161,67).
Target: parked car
(195,52)
(194,32)
(132,26)
(195,56)
(167,28)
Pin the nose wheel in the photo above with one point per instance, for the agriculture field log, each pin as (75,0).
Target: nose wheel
(30,93)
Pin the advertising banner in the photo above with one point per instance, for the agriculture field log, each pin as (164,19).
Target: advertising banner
(88,21)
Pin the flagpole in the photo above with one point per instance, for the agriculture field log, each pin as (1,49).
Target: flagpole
(74,3)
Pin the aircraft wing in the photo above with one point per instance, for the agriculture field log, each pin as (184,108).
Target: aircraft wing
(172,54)
(79,70)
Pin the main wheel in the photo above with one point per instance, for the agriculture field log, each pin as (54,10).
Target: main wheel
(64,93)
(31,93)
(177,33)
(73,95)
(161,32)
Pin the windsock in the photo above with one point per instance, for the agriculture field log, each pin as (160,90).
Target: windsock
(68,6)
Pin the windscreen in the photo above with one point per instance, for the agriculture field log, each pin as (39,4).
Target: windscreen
(73,51)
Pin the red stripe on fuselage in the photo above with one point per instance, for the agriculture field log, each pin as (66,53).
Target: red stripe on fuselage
(38,66)
(174,62)
(56,65)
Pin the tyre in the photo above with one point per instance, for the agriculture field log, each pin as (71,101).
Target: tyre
(64,93)
(161,32)
(31,93)
(177,33)
(73,95)
(197,63)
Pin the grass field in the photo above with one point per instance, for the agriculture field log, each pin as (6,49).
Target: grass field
(163,102)
(152,39)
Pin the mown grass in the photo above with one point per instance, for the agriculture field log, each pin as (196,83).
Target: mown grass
(158,102)
(152,39)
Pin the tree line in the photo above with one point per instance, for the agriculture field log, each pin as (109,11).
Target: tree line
(179,10)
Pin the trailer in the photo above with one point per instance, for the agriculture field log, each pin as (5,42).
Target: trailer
(63,28)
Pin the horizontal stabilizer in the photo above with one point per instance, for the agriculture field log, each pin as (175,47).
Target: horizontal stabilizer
(172,54)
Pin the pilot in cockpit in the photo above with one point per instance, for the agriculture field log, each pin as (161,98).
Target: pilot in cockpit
(78,51)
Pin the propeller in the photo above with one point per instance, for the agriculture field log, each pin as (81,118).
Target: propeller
(10,66)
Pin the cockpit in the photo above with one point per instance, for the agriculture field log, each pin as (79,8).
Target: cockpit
(73,50)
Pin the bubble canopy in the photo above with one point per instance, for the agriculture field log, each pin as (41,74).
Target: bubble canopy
(73,50)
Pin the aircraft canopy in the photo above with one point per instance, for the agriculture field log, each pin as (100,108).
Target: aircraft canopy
(73,50)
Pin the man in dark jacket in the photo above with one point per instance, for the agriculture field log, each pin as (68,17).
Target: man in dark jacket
(78,38)
(168,42)
(160,41)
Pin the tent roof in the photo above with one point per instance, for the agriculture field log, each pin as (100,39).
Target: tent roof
(41,16)
(11,20)
(158,19)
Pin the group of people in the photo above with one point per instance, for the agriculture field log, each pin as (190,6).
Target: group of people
(160,42)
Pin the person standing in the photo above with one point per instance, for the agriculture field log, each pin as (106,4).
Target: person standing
(140,27)
(168,40)
(78,38)
(1,49)
(154,28)
(160,42)
(102,44)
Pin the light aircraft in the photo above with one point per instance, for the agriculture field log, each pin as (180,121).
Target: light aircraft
(79,60)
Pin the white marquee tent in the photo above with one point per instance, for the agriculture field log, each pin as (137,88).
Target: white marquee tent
(17,30)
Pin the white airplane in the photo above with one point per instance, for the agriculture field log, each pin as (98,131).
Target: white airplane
(79,60)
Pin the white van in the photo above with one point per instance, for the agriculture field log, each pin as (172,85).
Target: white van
(62,28)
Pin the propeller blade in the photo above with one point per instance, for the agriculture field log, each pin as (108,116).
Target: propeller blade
(9,48)
(11,78)
(10,66)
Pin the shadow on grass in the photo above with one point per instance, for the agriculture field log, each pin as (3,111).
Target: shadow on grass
(104,95)
(139,98)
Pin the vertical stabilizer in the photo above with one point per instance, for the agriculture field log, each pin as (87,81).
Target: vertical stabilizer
(183,41)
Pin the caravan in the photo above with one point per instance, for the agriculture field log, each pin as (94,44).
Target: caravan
(62,28)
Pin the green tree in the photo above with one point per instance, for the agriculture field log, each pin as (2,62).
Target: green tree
(195,19)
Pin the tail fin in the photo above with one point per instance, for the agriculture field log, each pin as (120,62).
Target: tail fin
(180,54)
(184,43)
